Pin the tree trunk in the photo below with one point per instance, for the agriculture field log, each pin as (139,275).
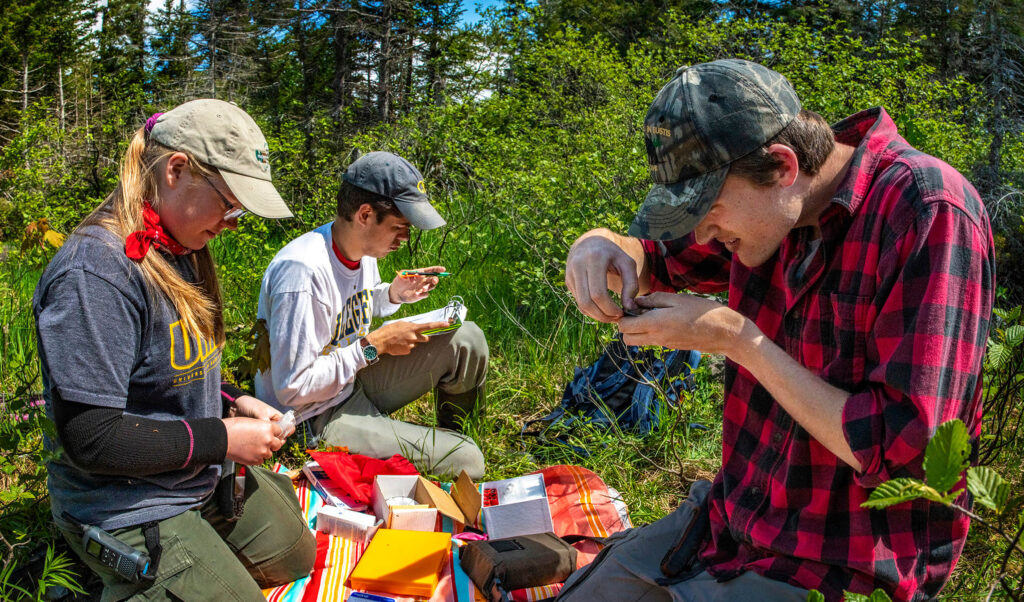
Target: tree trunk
(997,92)
(384,68)
(342,67)
(60,94)
(24,82)
(407,93)
(213,51)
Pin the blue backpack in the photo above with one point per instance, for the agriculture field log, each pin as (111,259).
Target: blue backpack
(622,387)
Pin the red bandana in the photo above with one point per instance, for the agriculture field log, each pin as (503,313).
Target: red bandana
(138,243)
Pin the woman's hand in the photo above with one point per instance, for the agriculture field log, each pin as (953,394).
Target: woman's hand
(248,406)
(410,289)
(252,441)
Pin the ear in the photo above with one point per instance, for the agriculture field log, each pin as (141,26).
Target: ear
(364,215)
(790,168)
(174,170)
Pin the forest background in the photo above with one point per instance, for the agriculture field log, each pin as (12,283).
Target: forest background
(526,126)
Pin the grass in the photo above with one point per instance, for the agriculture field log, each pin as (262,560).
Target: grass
(537,338)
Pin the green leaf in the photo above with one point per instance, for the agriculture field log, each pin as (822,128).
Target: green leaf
(879,596)
(852,597)
(1013,336)
(998,355)
(950,497)
(947,455)
(815,596)
(895,492)
(989,489)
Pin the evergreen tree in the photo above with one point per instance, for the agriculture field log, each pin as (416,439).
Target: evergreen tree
(174,61)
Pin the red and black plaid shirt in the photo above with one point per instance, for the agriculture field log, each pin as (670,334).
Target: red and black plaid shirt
(893,307)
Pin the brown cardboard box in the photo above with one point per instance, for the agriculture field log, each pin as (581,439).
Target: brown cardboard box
(463,508)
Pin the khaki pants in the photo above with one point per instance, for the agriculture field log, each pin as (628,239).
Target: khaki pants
(454,366)
(207,558)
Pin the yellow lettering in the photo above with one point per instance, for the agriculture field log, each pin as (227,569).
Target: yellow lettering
(183,356)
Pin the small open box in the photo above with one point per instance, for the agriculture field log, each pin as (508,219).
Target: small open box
(462,507)
(516,506)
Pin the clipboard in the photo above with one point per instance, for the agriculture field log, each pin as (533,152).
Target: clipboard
(454,312)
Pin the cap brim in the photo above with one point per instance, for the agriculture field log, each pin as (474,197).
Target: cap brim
(421,214)
(672,211)
(256,195)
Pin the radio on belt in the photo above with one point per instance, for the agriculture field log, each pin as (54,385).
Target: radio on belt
(125,560)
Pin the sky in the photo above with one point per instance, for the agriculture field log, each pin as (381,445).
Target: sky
(470,16)
(471,7)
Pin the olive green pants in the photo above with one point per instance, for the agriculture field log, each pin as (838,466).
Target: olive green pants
(454,366)
(205,557)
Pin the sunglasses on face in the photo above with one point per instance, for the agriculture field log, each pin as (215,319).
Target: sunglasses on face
(230,211)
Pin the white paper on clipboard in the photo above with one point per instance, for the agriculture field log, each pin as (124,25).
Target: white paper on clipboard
(454,313)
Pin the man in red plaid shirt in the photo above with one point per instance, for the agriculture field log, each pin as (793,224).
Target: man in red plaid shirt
(860,279)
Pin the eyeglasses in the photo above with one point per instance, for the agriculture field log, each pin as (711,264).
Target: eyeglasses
(230,212)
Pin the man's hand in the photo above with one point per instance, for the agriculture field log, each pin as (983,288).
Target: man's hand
(251,441)
(598,261)
(398,338)
(688,322)
(410,289)
(684,322)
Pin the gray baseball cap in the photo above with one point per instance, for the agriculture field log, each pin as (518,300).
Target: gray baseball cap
(706,117)
(222,135)
(395,178)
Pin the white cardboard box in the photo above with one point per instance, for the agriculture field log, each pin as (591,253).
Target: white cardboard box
(517,506)
(356,526)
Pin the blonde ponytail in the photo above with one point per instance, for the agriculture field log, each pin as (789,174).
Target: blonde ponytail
(199,304)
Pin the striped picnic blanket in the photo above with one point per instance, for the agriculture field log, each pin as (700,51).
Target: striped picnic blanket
(580,504)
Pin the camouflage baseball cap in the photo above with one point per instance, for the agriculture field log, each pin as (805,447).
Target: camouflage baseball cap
(394,178)
(708,116)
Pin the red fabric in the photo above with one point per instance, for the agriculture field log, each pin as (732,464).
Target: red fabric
(581,505)
(354,473)
(137,244)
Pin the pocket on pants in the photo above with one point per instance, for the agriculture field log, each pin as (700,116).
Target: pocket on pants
(174,560)
(201,576)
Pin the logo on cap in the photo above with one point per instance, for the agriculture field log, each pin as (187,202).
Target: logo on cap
(263,157)
(651,129)
(421,187)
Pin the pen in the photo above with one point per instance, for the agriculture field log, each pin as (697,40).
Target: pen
(408,273)
(365,596)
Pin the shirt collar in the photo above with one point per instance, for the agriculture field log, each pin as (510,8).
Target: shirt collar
(872,130)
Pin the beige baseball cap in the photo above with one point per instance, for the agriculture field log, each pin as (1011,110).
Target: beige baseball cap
(222,135)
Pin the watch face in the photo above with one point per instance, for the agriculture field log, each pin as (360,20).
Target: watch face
(370,352)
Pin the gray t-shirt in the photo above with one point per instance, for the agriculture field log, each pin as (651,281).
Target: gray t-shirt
(105,339)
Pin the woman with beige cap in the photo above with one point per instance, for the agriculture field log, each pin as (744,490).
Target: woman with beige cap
(130,334)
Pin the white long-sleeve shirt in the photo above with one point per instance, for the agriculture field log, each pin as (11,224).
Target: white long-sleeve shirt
(316,311)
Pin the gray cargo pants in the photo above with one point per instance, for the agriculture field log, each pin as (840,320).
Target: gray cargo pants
(454,366)
(629,567)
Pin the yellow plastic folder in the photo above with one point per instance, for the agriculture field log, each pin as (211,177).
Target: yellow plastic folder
(407,563)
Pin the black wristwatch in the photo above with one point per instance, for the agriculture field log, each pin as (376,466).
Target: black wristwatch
(369,351)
